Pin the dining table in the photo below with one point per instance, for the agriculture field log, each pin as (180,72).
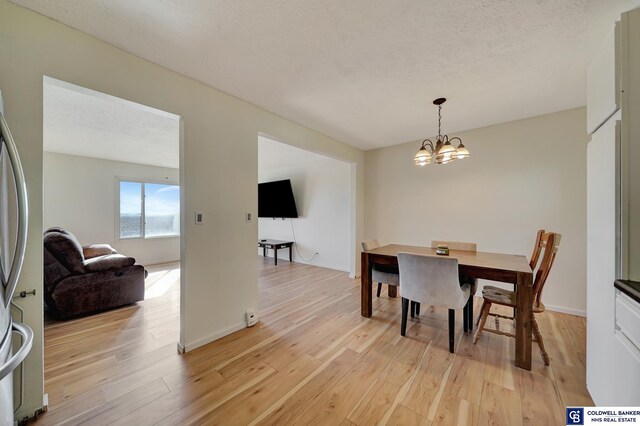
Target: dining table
(507,268)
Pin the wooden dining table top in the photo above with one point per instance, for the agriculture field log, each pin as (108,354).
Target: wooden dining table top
(497,261)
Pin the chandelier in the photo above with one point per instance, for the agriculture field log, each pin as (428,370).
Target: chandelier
(443,151)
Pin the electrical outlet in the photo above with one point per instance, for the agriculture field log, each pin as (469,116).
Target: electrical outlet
(251,316)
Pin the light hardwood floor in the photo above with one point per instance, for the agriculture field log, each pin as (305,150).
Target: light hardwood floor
(311,360)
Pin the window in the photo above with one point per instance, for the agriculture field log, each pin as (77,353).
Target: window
(131,210)
(149,210)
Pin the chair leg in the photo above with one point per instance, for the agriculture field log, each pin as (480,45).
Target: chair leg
(403,324)
(379,289)
(465,317)
(486,307)
(417,309)
(538,336)
(484,302)
(470,316)
(452,324)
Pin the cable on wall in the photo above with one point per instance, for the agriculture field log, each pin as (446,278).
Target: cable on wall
(295,246)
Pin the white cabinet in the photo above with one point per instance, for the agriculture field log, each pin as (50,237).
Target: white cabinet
(626,358)
(602,157)
(628,318)
(603,81)
(630,107)
(627,378)
(613,216)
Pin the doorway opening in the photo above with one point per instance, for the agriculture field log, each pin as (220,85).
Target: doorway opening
(321,185)
(112,218)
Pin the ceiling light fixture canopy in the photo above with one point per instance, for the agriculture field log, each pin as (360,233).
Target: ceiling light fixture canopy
(442,151)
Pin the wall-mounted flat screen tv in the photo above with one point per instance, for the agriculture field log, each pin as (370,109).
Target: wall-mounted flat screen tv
(275,199)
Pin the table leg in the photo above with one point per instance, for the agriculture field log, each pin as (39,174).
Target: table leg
(366,296)
(264,251)
(290,256)
(275,255)
(392,290)
(524,302)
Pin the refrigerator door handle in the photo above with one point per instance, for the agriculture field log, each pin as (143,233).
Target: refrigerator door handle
(23,213)
(21,354)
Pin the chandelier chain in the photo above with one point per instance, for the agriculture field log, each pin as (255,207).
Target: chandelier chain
(439,120)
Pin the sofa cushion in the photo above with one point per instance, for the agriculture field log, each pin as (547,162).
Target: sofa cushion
(66,248)
(95,250)
(96,291)
(109,261)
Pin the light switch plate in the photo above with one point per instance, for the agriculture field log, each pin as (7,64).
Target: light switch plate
(248,217)
(199,218)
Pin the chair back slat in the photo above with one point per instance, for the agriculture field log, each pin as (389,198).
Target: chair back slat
(537,248)
(453,245)
(370,245)
(551,243)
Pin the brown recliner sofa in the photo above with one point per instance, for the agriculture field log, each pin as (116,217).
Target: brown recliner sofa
(80,280)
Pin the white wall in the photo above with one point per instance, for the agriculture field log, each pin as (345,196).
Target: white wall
(80,195)
(522,176)
(321,187)
(218,168)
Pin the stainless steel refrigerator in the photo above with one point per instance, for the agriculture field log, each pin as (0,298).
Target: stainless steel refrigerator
(13,238)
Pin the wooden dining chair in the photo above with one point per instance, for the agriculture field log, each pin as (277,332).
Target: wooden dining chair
(494,295)
(540,243)
(381,274)
(433,280)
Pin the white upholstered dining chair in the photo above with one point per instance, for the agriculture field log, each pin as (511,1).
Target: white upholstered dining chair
(433,280)
(460,246)
(381,274)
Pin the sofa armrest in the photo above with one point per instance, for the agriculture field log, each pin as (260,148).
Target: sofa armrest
(96,250)
(109,261)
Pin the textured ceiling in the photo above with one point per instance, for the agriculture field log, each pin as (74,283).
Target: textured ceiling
(274,155)
(84,122)
(365,71)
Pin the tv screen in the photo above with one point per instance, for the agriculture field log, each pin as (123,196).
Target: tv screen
(275,199)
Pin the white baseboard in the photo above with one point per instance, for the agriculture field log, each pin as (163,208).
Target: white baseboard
(564,310)
(322,265)
(191,346)
(299,260)
(160,262)
(552,308)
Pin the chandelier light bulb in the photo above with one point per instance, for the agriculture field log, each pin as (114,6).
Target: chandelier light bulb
(462,152)
(422,157)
